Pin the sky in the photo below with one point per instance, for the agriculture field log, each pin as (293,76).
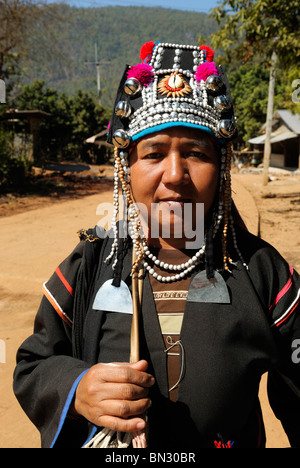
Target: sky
(191,5)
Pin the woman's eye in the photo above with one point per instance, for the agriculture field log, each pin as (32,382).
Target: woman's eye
(153,156)
(197,154)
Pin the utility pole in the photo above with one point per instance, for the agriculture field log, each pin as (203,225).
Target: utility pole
(97,64)
(267,147)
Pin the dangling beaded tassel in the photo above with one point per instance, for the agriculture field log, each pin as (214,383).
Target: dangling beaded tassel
(228,218)
(114,249)
(227,206)
(134,225)
(235,244)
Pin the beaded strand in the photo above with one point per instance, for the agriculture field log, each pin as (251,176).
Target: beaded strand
(227,205)
(114,250)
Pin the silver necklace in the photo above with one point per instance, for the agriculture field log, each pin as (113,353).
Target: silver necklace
(182,270)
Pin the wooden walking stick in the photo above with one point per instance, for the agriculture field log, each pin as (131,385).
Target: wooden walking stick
(139,439)
(107,438)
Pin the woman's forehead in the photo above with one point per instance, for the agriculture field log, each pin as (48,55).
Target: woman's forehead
(178,134)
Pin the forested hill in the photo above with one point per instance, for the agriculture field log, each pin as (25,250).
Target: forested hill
(58,52)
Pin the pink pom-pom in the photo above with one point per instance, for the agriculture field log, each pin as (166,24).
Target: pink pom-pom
(142,72)
(206,69)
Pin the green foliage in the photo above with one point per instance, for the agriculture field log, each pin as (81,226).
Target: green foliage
(254,28)
(249,89)
(250,30)
(249,85)
(289,84)
(72,120)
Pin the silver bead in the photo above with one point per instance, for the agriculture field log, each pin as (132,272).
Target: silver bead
(222,103)
(214,83)
(132,86)
(123,109)
(121,139)
(226,128)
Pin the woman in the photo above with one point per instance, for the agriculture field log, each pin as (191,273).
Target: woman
(212,318)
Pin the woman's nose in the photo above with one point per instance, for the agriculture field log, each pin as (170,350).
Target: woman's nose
(175,170)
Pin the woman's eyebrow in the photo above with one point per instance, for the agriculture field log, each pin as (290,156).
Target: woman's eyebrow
(152,145)
(200,143)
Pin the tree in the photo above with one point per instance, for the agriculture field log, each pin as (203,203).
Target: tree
(14,16)
(83,117)
(255,28)
(249,90)
(266,30)
(17,18)
(73,120)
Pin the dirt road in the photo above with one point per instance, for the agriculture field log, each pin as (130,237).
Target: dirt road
(33,243)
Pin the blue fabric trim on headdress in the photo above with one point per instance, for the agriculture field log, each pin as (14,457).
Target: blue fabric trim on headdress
(159,128)
(150,55)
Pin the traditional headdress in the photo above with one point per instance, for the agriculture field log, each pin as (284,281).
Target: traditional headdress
(175,85)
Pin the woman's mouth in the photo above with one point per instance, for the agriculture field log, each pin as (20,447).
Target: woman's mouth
(174,202)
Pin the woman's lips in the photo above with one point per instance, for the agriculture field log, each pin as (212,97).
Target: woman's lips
(175,202)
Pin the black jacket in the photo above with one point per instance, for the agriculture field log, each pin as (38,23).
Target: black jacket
(227,349)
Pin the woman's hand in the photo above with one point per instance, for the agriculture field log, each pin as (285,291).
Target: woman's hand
(114,396)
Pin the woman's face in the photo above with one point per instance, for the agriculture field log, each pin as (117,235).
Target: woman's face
(170,169)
